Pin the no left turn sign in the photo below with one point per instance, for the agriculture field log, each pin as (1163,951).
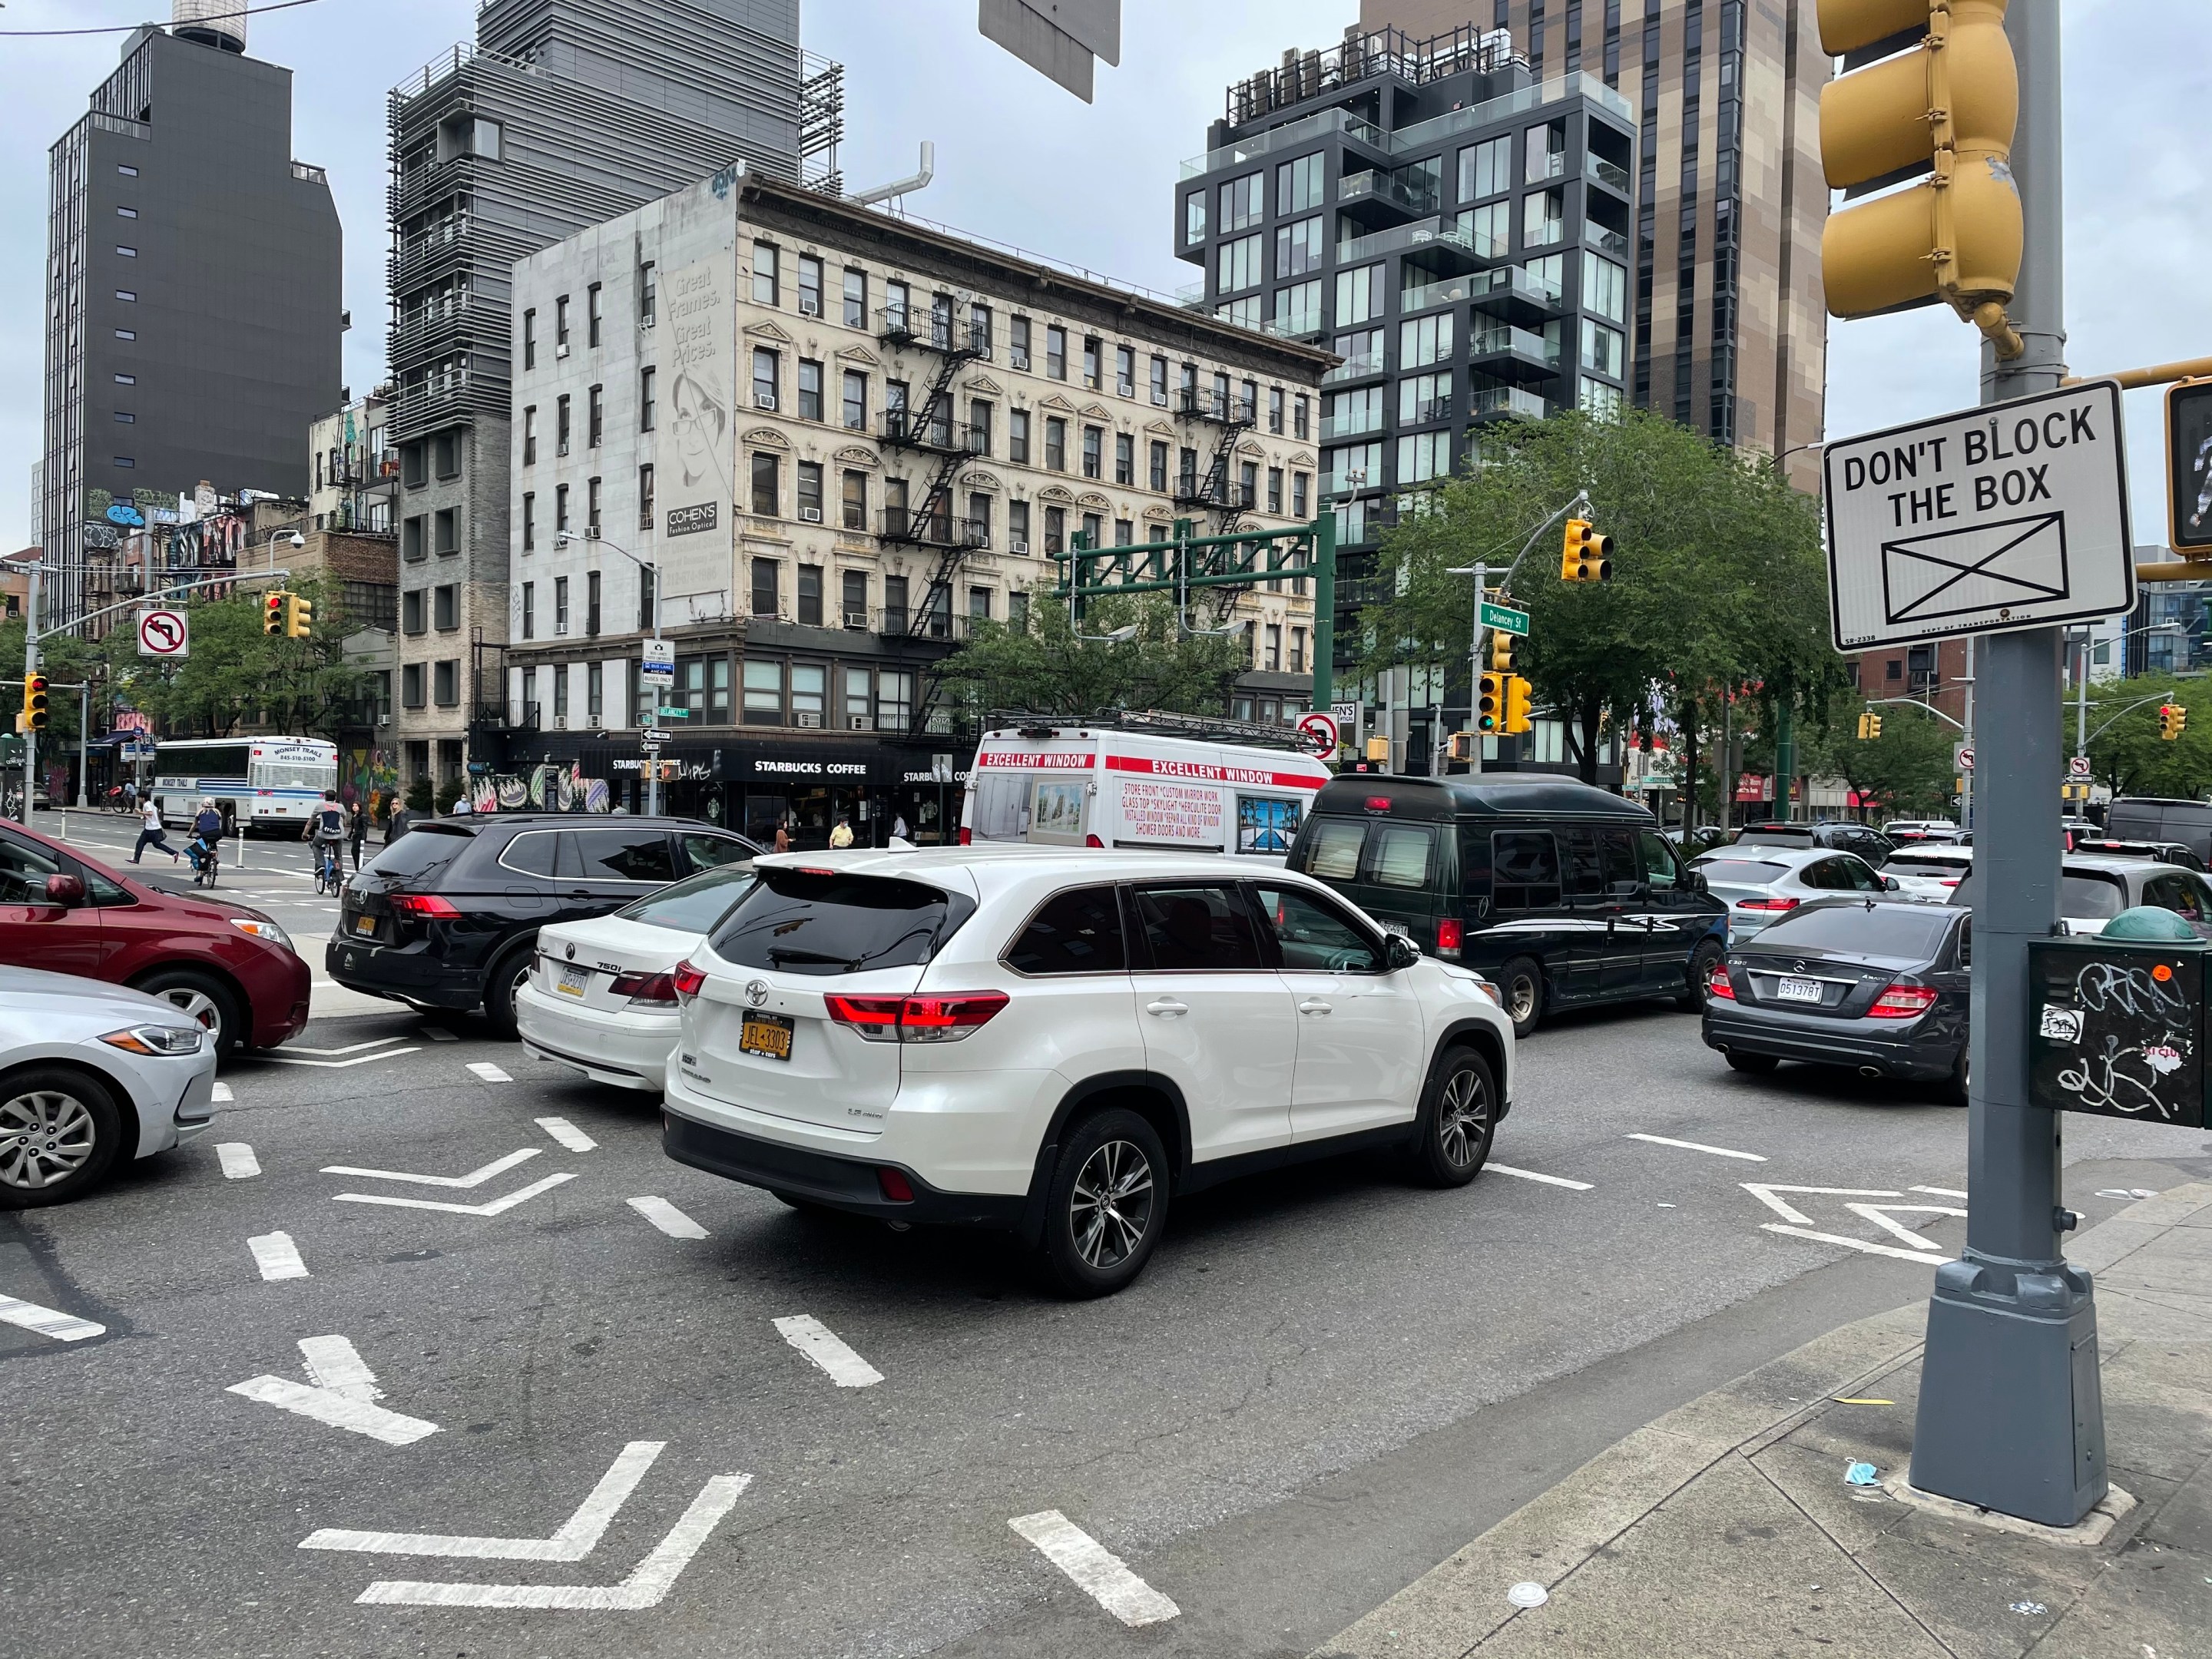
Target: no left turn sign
(163,634)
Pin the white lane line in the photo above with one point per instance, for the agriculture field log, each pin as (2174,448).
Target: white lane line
(1940,1192)
(238,1161)
(666,1217)
(568,1134)
(339,1411)
(498,1206)
(340,1065)
(1700,1146)
(63,1328)
(1497,1167)
(1854,1244)
(1765,1193)
(489,1073)
(351,1047)
(335,1363)
(474,1178)
(1881,1214)
(1097,1572)
(648,1582)
(277,1256)
(826,1349)
(222,1095)
(578,1536)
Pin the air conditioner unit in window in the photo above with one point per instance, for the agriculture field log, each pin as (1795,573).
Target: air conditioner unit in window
(764,400)
(807,717)
(810,514)
(1018,545)
(560,350)
(856,722)
(809,308)
(591,533)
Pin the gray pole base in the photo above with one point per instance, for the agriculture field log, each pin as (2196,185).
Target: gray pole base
(2011,1413)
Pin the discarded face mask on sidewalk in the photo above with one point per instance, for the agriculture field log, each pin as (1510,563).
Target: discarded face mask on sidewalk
(1862,1474)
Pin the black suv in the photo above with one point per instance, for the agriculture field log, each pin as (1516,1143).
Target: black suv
(445,916)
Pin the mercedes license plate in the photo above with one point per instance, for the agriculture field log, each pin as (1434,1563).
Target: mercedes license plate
(767,1035)
(1798,990)
(572,981)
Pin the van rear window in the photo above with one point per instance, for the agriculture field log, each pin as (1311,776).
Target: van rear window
(1331,852)
(1402,855)
(805,921)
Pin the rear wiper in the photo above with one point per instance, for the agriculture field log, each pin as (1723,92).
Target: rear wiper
(776,953)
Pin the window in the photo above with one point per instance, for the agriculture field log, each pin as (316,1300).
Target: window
(410,686)
(809,286)
(764,269)
(979,327)
(124,418)
(1488,228)
(1077,933)
(1548,273)
(765,584)
(893,700)
(856,400)
(1358,295)
(766,373)
(530,436)
(1425,340)
(1544,152)
(1273,660)
(1186,471)
(763,692)
(1300,409)
(649,400)
(1524,870)
(1543,218)
(1299,247)
(1125,532)
(1485,168)
(595,418)
(810,491)
(1193,218)
(1401,855)
(126,379)
(809,586)
(561,324)
(648,292)
(1248,484)
(1056,529)
(1424,455)
(1160,386)
(1240,203)
(1275,404)
(1298,184)
(1093,451)
(632,855)
(1055,443)
(124,294)
(894,604)
(560,606)
(1093,530)
(856,501)
(1055,351)
(1425,397)
(447,523)
(1125,457)
(856,298)
(1017,341)
(810,693)
(126,213)
(647,621)
(766,484)
(1093,369)
(1351,414)
(1197,929)
(979,517)
(1313,935)
(1275,490)
(126,333)
(1125,370)
(810,390)
(591,604)
(127,171)
(1156,476)
(560,509)
(1018,436)
(530,610)
(563,423)
(1603,348)
(126,252)
(1605,288)
(1297,651)
(645,496)
(979,427)
(852,603)
(410,611)
(896,298)
(591,315)
(595,694)
(1238,265)
(1297,312)
(593,493)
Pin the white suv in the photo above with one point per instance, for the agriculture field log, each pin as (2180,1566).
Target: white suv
(1056,1043)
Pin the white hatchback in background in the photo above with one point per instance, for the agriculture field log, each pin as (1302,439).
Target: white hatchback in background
(1928,871)
(92,1074)
(599,998)
(1758,884)
(1056,1043)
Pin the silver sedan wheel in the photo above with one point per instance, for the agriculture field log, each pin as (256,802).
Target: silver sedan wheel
(45,1136)
(1462,1118)
(198,1005)
(1111,1205)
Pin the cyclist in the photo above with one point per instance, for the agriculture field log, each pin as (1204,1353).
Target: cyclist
(204,848)
(326,827)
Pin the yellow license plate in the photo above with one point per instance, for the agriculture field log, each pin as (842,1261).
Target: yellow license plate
(364,924)
(572,982)
(767,1035)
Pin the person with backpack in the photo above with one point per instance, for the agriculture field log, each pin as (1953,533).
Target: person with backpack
(206,848)
(326,828)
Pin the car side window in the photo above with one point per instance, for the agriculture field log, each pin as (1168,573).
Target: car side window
(1524,870)
(1331,852)
(711,852)
(1315,937)
(1858,877)
(530,853)
(1075,932)
(1585,865)
(2173,893)
(1659,868)
(638,856)
(1624,872)
(1823,875)
(1402,855)
(1197,929)
(23,872)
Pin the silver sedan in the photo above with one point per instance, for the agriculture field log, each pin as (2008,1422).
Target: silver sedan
(1758,884)
(91,1074)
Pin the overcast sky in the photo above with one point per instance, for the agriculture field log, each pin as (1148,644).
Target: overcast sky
(1022,161)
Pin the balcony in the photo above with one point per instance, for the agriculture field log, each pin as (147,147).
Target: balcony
(1378,199)
(902,525)
(1446,241)
(1449,291)
(1335,427)
(1514,353)
(931,330)
(937,437)
(1360,366)
(1426,411)
(1610,174)
(507,714)
(1296,135)
(1613,242)
(1196,405)
(1500,402)
(1512,294)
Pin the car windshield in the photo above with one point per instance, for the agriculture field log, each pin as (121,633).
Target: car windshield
(821,922)
(1928,864)
(696,905)
(2085,897)
(1910,930)
(419,851)
(1741,872)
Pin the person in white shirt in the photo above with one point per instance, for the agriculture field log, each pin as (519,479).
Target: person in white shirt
(898,827)
(149,833)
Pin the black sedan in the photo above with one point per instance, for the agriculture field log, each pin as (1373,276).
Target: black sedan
(1872,984)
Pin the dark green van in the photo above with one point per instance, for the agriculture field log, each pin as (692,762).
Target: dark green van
(1561,894)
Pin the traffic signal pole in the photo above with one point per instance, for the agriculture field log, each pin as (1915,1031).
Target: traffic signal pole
(2011,1415)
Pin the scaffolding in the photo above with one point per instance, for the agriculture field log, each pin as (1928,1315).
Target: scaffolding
(821,123)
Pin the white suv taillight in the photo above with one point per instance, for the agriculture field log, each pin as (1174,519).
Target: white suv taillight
(919,1019)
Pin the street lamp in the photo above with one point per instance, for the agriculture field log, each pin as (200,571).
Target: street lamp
(562,538)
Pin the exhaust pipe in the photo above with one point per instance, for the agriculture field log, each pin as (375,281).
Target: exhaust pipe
(917,180)
(1870,1071)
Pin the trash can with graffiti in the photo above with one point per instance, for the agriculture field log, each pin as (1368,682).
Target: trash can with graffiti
(2118,1029)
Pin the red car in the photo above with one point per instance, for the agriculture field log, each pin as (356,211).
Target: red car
(228,966)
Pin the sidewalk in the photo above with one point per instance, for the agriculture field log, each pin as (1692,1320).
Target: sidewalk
(1726,1528)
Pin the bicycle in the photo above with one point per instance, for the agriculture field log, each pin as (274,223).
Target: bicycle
(329,879)
(205,858)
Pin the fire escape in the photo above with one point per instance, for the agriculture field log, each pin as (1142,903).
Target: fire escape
(1218,490)
(926,428)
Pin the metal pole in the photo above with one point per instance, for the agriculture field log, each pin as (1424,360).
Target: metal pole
(31,667)
(1324,622)
(83,742)
(2011,1415)
(652,753)
(1474,668)
(1727,767)
(1966,733)
(1785,757)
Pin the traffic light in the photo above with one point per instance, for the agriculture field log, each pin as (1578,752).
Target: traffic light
(1460,746)
(1501,651)
(1516,706)
(35,715)
(1490,705)
(1587,557)
(2172,718)
(1869,727)
(2189,469)
(299,617)
(1930,88)
(273,611)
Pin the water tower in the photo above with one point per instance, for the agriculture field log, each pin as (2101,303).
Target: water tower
(218,23)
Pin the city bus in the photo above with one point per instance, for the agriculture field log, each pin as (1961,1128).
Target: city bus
(256,782)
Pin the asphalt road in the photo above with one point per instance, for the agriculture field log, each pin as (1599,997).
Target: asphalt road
(1325,1383)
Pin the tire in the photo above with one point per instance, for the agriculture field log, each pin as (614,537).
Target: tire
(1521,983)
(1962,1075)
(1757,1064)
(1459,1113)
(206,998)
(1107,1204)
(1703,960)
(59,1134)
(504,978)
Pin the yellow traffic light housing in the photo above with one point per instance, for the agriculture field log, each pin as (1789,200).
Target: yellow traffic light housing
(273,611)
(1501,651)
(1587,557)
(2172,718)
(1516,706)
(1460,746)
(1942,97)
(1869,727)
(35,714)
(1490,705)
(299,617)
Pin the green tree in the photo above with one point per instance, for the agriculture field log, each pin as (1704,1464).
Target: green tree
(1718,582)
(1906,772)
(1130,654)
(235,670)
(2126,753)
(64,658)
